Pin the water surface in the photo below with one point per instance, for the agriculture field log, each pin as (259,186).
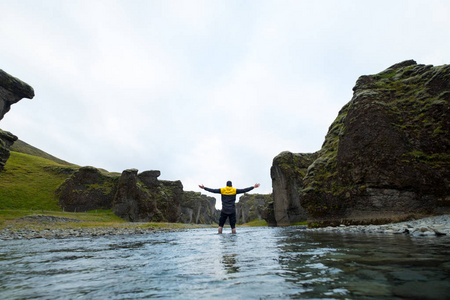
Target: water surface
(257,263)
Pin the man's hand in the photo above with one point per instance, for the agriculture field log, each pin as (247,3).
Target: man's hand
(256,185)
(201,186)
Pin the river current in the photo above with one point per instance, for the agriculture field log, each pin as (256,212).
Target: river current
(256,263)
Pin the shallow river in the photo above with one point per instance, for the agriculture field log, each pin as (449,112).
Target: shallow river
(257,263)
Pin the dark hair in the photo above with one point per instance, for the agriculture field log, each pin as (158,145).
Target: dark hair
(229,183)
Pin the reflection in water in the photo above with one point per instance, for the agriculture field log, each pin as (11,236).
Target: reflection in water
(268,263)
(229,263)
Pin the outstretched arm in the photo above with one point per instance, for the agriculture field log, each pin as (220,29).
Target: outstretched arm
(240,191)
(217,191)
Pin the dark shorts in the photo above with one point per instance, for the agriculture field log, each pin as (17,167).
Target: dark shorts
(223,219)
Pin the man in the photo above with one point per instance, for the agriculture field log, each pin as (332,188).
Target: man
(228,203)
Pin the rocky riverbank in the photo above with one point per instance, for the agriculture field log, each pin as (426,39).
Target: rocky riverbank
(50,227)
(431,226)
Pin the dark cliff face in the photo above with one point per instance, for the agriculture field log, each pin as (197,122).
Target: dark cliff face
(287,173)
(135,197)
(143,198)
(6,141)
(386,157)
(252,207)
(87,189)
(198,209)
(11,91)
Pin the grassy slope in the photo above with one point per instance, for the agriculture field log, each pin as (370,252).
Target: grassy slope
(22,147)
(29,182)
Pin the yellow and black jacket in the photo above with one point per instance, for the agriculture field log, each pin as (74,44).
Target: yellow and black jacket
(229,197)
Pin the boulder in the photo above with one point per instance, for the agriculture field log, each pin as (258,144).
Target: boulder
(386,156)
(87,189)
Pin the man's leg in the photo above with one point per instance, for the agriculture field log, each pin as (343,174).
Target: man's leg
(222,220)
(233,222)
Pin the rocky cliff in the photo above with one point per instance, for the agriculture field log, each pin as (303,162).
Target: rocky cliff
(252,207)
(287,173)
(385,158)
(87,189)
(135,197)
(198,209)
(6,141)
(11,91)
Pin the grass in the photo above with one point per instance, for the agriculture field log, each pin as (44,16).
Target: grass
(255,223)
(299,223)
(30,182)
(13,219)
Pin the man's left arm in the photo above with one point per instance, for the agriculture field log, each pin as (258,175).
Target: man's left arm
(241,191)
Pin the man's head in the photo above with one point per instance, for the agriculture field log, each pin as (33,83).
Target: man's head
(229,183)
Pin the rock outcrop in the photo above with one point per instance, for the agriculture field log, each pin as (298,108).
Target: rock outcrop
(198,209)
(143,198)
(11,91)
(135,197)
(287,173)
(385,158)
(6,141)
(87,189)
(251,207)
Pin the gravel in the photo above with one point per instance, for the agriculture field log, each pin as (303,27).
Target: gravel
(430,226)
(41,226)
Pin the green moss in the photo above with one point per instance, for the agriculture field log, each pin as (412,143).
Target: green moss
(299,223)
(255,223)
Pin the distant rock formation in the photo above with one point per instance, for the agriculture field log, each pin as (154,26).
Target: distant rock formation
(198,209)
(143,198)
(385,158)
(11,91)
(251,207)
(135,197)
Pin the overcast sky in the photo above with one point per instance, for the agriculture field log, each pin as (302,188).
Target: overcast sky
(204,91)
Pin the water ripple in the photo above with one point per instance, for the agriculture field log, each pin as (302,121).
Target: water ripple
(257,263)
